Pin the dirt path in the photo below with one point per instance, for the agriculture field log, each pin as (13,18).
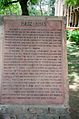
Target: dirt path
(73,73)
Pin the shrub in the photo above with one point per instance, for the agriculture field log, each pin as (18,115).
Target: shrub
(68,33)
(73,36)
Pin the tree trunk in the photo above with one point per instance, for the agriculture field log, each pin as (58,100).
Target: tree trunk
(24,7)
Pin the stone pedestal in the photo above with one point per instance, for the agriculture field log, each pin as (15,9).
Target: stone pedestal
(32,112)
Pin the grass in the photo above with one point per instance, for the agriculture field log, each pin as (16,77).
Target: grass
(73,74)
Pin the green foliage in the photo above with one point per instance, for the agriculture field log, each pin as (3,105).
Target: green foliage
(72,2)
(9,9)
(52,2)
(4,3)
(68,33)
(34,12)
(34,1)
(12,6)
(43,8)
(73,36)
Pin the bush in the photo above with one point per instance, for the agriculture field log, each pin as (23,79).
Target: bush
(73,36)
(68,33)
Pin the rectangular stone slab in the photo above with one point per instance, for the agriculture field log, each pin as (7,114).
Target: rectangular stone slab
(33,61)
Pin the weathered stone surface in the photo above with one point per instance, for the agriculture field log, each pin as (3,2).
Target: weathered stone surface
(42,66)
(34,61)
(9,113)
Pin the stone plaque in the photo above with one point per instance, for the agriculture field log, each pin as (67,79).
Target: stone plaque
(33,61)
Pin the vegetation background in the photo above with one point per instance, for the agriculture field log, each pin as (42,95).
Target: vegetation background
(46,8)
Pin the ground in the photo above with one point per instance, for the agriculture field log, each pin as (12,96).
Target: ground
(73,74)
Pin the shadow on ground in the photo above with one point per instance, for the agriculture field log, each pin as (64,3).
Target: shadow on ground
(73,74)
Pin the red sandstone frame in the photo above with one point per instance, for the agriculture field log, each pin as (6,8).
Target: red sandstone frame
(34,61)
